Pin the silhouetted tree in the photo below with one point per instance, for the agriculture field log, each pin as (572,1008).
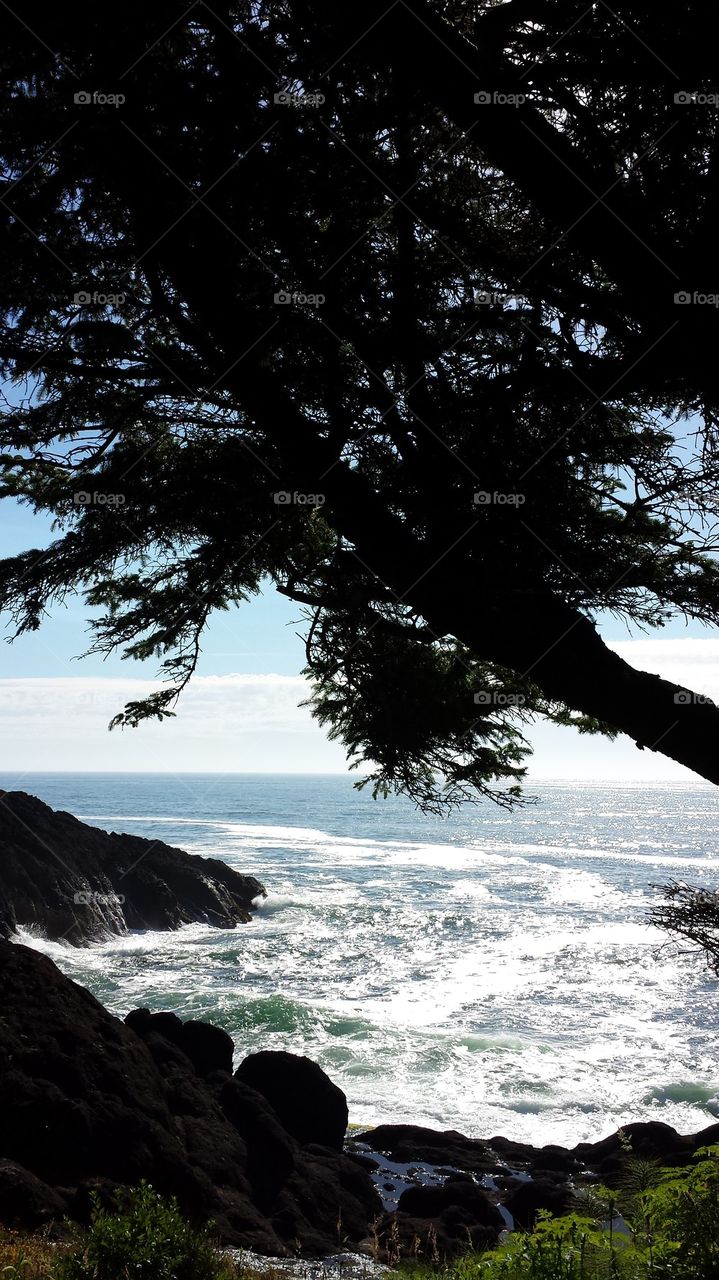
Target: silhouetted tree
(379,304)
(690,915)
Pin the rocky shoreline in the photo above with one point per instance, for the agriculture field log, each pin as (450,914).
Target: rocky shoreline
(91,1103)
(76,883)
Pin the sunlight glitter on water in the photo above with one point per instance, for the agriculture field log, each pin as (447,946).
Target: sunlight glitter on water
(490,974)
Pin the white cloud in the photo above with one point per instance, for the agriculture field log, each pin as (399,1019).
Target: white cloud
(247,723)
(564,753)
(685,661)
(252,723)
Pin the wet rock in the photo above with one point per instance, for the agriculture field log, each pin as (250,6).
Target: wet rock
(432,1202)
(521,1178)
(308,1104)
(74,882)
(556,1159)
(209,1048)
(89,1103)
(650,1140)
(525,1199)
(407,1142)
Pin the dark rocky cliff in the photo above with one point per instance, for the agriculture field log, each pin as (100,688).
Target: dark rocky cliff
(72,881)
(88,1102)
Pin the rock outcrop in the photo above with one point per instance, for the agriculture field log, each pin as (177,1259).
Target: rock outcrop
(451,1187)
(74,882)
(606,1159)
(89,1102)
(309,1105)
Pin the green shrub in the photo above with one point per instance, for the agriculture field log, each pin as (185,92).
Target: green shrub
(147,1238)
(570,1248)
(674,1220)
(681,1220)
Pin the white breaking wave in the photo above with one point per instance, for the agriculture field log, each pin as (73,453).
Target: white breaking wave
(493,974)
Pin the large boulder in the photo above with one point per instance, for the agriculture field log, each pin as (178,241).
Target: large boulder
(431,1202)
(543,1192)
(90,1103)
(209,1048)
(26,1201)
(77,883)
(409,1142)
(309,1105)
(649,1140)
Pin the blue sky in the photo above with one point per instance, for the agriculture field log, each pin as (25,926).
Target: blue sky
(241,713)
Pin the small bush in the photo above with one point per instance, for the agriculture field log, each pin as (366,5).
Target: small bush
(674,1219)
(571,1248)
(147,1238)
(682,1220)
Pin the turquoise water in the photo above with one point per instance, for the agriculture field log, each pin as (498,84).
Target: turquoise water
(491,972)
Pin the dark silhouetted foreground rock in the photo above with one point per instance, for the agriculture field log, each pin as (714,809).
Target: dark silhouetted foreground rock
(309,1105)
(88,1102)
(25,1201)
(75,882)
(550,1192)
(514,1175)
(443,1219)
(91,1104)
(606,1159)
(407,1142)
(208,1048)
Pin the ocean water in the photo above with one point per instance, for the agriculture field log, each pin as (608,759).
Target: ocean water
(492,972)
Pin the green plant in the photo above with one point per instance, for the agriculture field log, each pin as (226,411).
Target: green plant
(681,1220)
(571,1248)
(673,1216)
(147,1238)
(14,1270)
(27,1257)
